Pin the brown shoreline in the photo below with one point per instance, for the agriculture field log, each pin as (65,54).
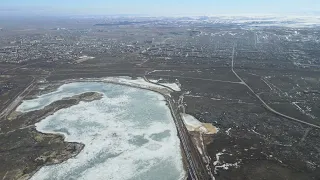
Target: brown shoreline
(81,98)
(25,122)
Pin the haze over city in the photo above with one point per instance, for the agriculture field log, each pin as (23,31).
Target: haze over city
(174,90)
(158,8)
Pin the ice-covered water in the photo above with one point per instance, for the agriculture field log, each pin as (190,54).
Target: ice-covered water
(128,134)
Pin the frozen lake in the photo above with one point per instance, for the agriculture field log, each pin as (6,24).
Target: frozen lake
(128,134)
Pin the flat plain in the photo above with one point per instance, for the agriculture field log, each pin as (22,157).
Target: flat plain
(258,84)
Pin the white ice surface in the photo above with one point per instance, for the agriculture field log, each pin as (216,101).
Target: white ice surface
(64,91)
(128,134)
(71,89)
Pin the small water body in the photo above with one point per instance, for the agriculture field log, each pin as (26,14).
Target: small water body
(128,134)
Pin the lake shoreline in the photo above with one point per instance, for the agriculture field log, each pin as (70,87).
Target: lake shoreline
(164,92)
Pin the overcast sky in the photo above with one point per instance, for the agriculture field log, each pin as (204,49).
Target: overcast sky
(159,7)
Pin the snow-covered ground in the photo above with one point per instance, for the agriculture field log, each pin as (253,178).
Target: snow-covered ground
(223,165)
(154,80)
(194,124)
(139,82)
(159,71)
(173,86)
(191,122)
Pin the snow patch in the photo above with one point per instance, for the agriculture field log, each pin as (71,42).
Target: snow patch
(228,131)
(173,86)
(139,82)
(219,165)
(194,124)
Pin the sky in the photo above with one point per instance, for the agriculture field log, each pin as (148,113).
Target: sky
(158,7)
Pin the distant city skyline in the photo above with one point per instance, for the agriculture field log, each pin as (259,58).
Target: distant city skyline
(157,8)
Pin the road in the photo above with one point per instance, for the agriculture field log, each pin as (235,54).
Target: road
(195,78)
(192,158)
(185,140)
(129,74)
(185,144)
(16,100)
(263,102)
